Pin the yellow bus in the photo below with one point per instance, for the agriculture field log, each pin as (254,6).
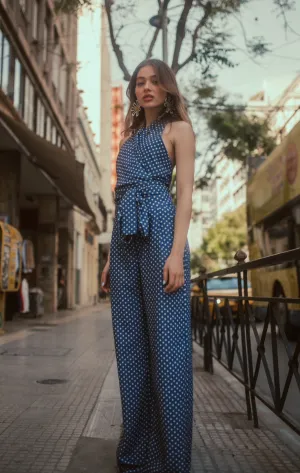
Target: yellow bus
(273,213)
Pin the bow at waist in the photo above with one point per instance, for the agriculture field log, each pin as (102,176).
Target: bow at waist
(132,210)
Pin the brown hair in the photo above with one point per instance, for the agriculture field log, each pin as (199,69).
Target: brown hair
(167,81)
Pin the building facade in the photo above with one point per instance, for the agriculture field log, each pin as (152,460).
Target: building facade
(106,141)
(86,233)
(283,111)
(117,129)
(202,217)
(229,186)
(43,181)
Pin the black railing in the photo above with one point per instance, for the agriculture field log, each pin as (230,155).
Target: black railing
(259,355)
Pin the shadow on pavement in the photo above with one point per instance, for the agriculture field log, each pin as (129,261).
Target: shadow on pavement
(93,456)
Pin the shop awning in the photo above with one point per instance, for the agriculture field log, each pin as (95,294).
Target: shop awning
(60,165)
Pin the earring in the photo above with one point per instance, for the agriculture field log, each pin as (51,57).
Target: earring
(168,104)
(135,109)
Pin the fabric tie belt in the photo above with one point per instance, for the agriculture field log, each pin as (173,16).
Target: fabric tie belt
(132,210)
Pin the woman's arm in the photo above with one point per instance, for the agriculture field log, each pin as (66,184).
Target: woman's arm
(184,144)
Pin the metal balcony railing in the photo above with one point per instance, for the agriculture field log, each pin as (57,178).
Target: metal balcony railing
(259,355)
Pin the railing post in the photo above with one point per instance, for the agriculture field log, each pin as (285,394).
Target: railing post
(207,339)
(240,257)
(249,350)
(245,322)
(201,319)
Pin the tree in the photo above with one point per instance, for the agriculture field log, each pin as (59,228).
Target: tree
(236,135)
(199,27)
(201,261)
(226,237)
(201,30)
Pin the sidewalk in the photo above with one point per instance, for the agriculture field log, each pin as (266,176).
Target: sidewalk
(73,426)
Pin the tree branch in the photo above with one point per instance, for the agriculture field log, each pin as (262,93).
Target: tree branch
(284,6)
(152,44)
(164,4)
(116,47)
(180,33)
(202,22)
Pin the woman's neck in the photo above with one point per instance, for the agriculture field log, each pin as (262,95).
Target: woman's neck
(151,115)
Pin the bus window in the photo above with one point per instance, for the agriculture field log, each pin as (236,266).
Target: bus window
(278,235)
(260,240)
(296,215)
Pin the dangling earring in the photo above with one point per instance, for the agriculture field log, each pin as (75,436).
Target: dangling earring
(135,109)
(168,104)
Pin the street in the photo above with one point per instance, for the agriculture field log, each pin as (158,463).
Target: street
(61,410)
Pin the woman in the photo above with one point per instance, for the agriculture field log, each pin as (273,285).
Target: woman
(148,274)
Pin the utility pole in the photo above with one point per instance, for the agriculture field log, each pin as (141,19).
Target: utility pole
(164,26)
(161,21)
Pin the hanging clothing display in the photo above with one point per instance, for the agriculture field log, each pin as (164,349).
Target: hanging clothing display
(25,296)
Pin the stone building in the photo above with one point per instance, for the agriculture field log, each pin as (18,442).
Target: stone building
(282,108)
(86,240)
(106,145)
(42,183)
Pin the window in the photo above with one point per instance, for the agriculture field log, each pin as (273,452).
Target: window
(29,103)
(63,82)
(40,119)
(23,5)
(53,136)
(48,129)
(56,62)
(240,194)
(45,41)
(35,18)
(18,92)
(1,53)
(276,238)
(58,140)
(4,62)
(240,175)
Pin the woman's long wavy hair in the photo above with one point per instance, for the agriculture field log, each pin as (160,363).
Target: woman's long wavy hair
(167,81)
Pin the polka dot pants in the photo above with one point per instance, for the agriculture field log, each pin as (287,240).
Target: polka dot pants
(153,341)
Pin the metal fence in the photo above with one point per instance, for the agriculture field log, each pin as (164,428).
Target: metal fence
(251,351)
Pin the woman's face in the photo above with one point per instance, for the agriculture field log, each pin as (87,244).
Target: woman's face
(147,90)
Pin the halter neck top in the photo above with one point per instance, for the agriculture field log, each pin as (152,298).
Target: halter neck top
(144,169)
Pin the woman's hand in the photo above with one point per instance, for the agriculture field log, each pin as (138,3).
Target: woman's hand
(105,279)
(173,273)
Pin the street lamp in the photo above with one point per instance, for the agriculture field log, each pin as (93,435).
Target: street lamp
(161,21)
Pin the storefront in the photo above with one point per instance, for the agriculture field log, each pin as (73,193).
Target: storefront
(41,185)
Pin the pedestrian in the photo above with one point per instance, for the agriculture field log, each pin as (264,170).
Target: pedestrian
(148,275)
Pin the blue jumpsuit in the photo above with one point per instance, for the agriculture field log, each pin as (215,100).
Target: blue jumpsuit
(152,328)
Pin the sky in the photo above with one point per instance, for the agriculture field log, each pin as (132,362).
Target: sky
(272,73)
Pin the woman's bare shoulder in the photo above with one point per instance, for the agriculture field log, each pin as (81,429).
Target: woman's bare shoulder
(180,130)
(182,127)
(178,127)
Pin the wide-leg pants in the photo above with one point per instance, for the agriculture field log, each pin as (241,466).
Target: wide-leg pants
(153,341)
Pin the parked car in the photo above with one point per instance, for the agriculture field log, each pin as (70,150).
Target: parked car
(218,289)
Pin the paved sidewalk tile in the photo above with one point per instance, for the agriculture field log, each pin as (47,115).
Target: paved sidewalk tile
(40,424)
(74,426)
(224,441)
